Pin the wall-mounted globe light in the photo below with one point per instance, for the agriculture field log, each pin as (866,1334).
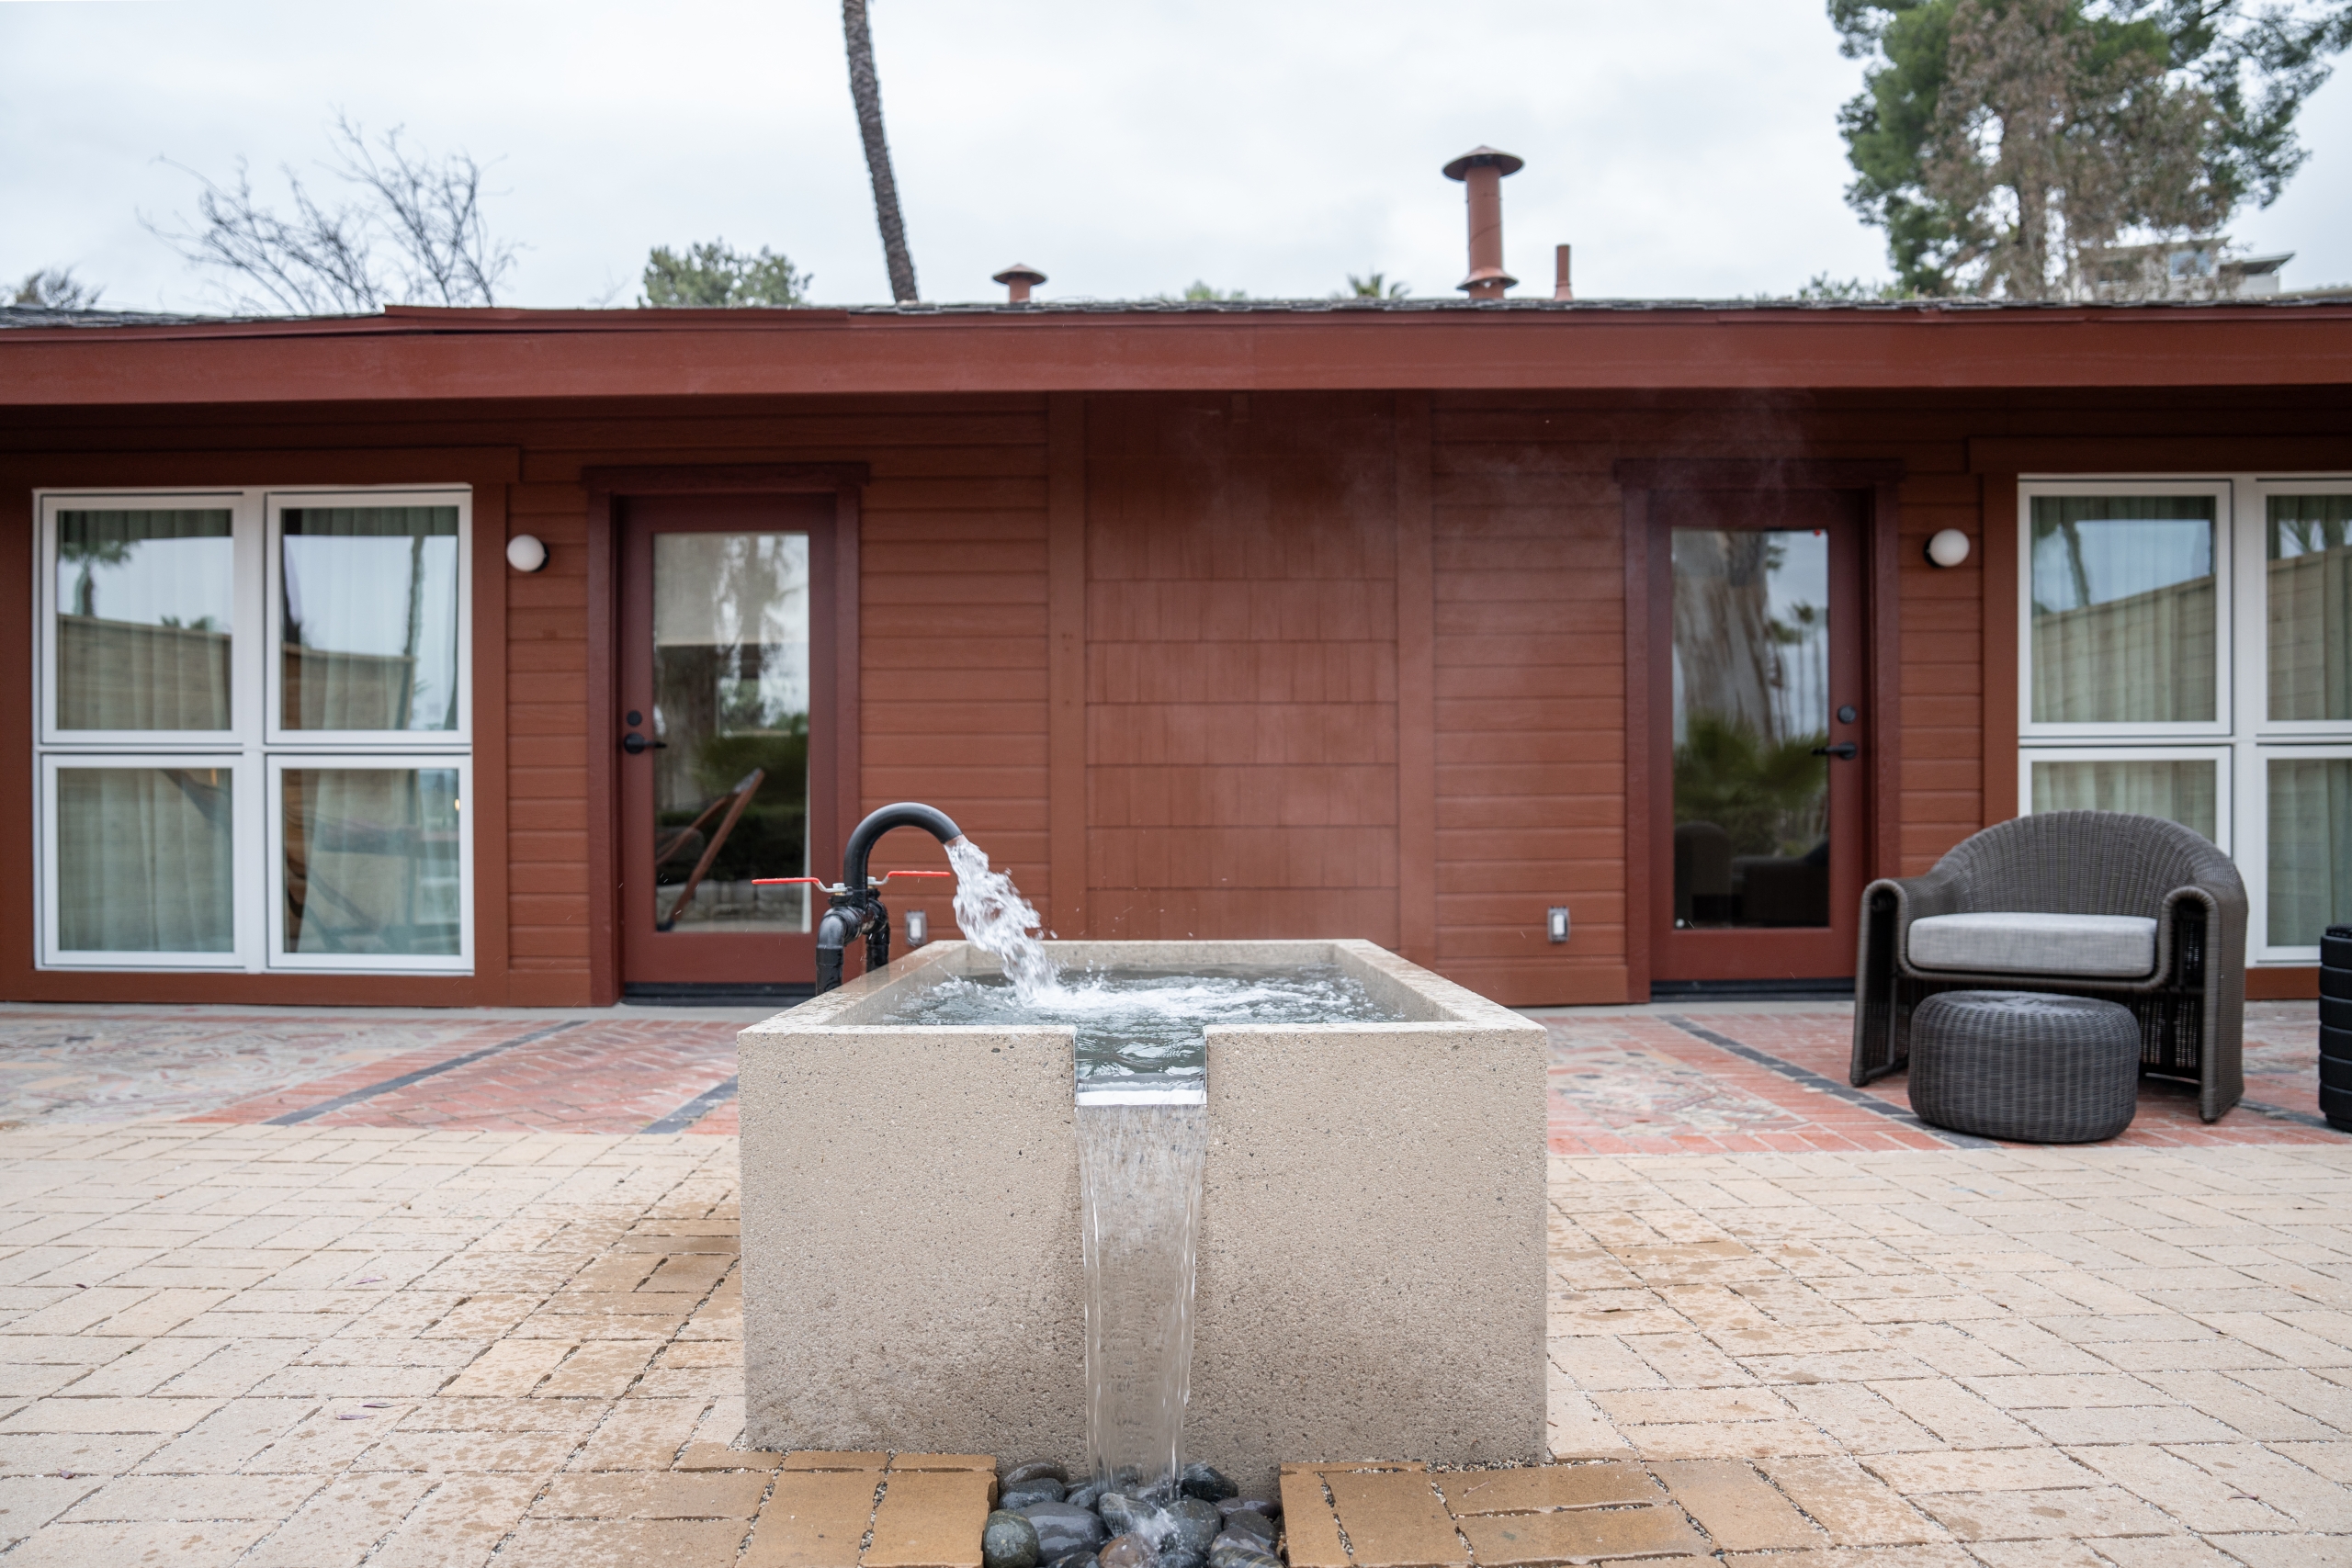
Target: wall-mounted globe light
(525,553)
(1947,548)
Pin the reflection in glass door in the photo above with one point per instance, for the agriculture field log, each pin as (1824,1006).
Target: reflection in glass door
(1751,728)
(723,666)
(1758,735)
(731,730)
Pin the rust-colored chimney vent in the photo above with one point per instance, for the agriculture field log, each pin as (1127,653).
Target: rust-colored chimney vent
(1018,279)
(1481,170)
(1560,274)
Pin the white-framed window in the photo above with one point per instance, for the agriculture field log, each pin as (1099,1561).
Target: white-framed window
(2186,651)
(2189,785)
(255,728)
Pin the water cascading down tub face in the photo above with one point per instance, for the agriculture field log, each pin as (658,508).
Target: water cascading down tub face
(1371,1239)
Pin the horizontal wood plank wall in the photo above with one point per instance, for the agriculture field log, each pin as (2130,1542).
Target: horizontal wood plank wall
(1242,665)
(1531,699)
(1242,740)
(952,602)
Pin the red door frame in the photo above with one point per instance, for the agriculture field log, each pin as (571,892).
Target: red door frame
(832,791)
(1648,692)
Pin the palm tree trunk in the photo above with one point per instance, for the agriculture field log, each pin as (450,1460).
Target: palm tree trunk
(867,91)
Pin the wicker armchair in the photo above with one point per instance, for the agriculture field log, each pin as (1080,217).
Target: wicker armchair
(2191,1004)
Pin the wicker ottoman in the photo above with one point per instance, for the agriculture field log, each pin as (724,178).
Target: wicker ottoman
(2025,1066)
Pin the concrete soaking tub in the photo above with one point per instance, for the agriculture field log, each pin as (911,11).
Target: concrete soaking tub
(1370,1247)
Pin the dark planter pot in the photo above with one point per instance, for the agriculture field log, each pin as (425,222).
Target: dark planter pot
(2335,1073)
(2336,983)
(2335,1013)
(2336,947)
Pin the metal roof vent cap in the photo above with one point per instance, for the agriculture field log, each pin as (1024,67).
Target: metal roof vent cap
(1481,171)
(1018,279)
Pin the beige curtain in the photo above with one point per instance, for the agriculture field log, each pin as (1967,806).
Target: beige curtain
(2181,790)
(143,604)
(2311,848)
(369,602)
(2123,609)
(144,861)
(371,860)
(2310,606)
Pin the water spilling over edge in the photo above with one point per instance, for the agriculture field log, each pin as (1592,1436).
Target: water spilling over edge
(1139,1188)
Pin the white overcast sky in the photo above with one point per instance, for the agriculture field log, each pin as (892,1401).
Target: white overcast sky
(1125,147)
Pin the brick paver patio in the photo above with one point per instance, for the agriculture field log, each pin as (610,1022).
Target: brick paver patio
(430,1323)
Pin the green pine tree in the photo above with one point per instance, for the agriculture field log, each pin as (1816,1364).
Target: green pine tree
(1999,141)
(713,275)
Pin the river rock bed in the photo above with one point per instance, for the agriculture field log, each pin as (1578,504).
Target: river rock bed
(1043,1519)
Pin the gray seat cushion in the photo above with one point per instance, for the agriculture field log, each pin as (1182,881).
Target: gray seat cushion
(1991,943)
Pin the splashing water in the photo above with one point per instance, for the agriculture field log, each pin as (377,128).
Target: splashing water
(1139,1188)
(997,920)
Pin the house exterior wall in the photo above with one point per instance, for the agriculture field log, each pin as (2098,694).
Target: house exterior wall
(1227,665)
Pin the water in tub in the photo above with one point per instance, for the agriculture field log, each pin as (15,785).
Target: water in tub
(1142,1131)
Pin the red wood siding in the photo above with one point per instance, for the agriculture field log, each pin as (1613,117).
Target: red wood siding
(1241,649)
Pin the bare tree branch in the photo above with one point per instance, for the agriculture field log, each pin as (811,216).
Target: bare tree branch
(427,214)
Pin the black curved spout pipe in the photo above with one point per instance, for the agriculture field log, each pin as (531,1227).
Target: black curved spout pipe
(859,908)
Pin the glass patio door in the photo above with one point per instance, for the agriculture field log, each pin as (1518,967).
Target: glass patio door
(714,736)
(1758,735)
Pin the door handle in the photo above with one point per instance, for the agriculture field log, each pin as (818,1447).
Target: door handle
(1845,750)
(633,743)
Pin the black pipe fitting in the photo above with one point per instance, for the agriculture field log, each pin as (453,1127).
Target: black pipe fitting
(857,907)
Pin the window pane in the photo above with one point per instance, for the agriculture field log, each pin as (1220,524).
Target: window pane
(371,860)
(2123,609)
(730,700)
(1751,701)
(2311,848)
(143,861)
(143,602)
(2181,790)
(371,605)
(2311,596)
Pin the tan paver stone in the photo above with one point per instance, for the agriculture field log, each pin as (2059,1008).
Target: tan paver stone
(342,1524)
(2311,1500)
(507,1369)
(601,1371)
(1581,1535)
(573,1416)
(645,1494)
(2249,1411)
(2072,1515)
(1954,1414)
(622,1543)
(145,1497)
(47,1453)
(28,1502)
(944,1461)
(458,1453)
(815,1519)
(1537,1488)
(147,1543)
(2155,1552)
(718,1456)
(1645,1406)
(1393,1519)
(1979,1469)
(2194,1496)
(2054,1554)
(1341,1466)
(141,1414)
(1856,1508)
(2148,1423)
(1734,1506)
(1858,1418)
(2332,1460)
(821,1459)
(1310,1531)
(1728,1439)
(2288,1551)
(930,1518)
